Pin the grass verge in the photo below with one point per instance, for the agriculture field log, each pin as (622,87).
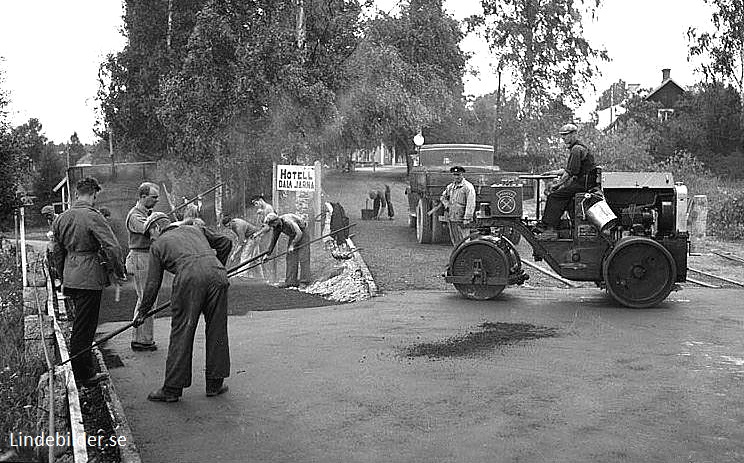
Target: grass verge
(18,378)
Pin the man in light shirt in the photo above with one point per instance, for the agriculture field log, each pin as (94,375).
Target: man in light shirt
(458,199)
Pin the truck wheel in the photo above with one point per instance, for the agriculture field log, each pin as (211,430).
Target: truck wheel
(439,230)
(639,272)
(423,222)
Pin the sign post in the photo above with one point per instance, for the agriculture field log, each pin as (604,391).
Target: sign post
(318,205)
(301,178)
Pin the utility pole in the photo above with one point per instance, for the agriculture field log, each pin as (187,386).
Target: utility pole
(497,122)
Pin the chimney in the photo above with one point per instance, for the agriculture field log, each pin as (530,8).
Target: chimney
(666,74)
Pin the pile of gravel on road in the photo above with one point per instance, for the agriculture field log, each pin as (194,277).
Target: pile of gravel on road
(348,285)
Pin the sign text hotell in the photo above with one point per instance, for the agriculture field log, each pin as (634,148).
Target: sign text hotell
(296,178)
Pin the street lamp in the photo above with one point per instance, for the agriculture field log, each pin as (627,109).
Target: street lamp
(418,140)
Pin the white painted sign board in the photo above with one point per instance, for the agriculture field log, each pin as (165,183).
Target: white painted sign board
(295,178)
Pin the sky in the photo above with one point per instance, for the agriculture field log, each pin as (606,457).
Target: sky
(52,49)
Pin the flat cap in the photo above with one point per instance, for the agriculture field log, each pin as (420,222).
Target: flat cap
(567,128)
(459,169)
(47,209)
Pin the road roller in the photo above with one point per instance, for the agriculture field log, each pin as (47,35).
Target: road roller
(628,235)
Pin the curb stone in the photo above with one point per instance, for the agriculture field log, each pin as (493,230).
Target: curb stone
(128,453)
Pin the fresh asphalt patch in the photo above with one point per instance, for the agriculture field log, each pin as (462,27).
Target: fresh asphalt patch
(489,336)
(243,296)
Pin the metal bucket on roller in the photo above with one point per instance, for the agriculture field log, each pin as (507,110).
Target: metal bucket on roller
(598,212)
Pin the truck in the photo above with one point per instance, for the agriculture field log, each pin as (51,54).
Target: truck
(430,175)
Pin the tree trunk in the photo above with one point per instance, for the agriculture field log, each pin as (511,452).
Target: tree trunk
(528,76)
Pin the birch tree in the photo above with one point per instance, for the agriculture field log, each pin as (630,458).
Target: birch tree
(541,44)
(724,48)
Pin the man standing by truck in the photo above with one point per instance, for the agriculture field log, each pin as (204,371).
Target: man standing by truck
(458,199)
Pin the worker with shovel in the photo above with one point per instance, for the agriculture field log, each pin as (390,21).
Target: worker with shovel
(247,243)
(196,256)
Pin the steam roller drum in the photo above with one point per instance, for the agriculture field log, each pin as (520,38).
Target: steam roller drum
(481,266)
(639,272)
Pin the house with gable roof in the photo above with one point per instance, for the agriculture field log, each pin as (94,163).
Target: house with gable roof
(666,93)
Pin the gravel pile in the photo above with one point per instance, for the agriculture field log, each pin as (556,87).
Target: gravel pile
(347,285)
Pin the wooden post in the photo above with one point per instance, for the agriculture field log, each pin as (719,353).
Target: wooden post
(275,204)
(15,236)
(218,200)
(696,222)
(274,189)
(318,205)
(24,262)
(111,152)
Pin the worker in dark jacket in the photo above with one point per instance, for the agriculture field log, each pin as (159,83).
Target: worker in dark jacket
(83,243)
(577,177)
(196,256)
(298,248)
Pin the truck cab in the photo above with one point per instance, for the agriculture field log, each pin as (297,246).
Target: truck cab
(430,175)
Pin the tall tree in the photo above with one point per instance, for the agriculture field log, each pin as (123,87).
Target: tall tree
(405,76)
(541,42)
(723,48)
(130,80)
(8,160)
(31,140)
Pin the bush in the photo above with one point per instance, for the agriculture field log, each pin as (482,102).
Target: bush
(725,199)
(625,149)
(18,378)
(726,216)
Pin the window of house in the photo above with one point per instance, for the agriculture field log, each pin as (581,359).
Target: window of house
(665,114)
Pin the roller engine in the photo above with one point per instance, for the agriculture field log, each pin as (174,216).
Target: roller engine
(629,236)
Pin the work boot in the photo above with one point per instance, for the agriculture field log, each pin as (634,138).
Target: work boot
(142,347)
(215,387)
(165,394)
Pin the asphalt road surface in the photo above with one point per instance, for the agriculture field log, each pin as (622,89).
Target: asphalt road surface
(426,376)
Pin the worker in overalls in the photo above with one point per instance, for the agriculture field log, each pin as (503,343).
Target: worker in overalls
(196,256)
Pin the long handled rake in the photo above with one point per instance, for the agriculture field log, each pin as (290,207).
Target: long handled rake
(231,272)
